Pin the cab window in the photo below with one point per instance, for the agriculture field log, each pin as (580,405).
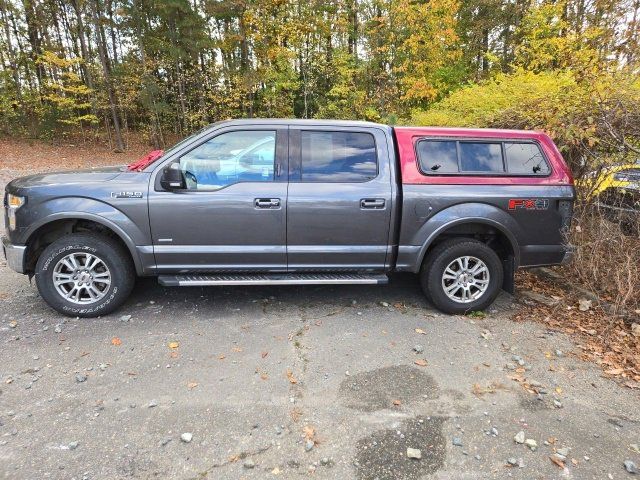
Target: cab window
(231,157)
(338,157)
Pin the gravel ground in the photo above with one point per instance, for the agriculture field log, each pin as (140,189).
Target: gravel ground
(261,382)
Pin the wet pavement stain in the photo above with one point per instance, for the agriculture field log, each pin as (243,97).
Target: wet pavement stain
(378,389)
(383,455)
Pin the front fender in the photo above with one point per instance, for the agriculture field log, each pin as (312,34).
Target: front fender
(86,209)
(410,256)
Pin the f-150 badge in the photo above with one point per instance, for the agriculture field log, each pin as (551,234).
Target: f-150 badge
(528,204)
(126,194)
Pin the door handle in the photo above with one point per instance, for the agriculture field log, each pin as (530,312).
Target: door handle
(267,202)
(375,203)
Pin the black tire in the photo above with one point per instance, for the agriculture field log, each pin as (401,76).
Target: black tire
(439,259)
(113,255)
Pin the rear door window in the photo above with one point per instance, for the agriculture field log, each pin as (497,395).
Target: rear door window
(525,159)
(338,156)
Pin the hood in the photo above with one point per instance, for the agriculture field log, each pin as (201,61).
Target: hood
(89,175)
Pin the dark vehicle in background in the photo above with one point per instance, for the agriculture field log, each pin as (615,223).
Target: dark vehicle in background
(254,202)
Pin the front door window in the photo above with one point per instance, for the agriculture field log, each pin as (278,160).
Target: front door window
(232,157)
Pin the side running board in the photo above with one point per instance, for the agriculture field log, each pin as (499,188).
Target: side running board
(272,279)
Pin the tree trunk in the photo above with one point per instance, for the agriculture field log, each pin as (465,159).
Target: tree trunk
(106,71)
(35,40)
(12,55)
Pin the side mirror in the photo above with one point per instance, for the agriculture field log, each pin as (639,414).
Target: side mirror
(172,179)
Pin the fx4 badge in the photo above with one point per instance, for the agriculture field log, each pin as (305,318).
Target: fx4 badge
(126,194)
(528,203)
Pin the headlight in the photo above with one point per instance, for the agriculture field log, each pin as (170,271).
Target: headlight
(14,202)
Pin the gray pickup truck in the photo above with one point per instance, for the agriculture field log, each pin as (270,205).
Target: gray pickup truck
(255,202)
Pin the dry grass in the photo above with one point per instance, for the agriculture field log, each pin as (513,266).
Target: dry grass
(607,261)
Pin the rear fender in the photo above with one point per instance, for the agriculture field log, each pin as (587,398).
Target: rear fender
(465,213)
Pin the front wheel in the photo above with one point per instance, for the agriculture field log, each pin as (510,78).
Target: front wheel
(461,276)
(84,275)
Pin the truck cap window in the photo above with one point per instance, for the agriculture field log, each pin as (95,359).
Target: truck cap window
(525,158)
(232,157)
(338,156)
(481,157)
(440,157)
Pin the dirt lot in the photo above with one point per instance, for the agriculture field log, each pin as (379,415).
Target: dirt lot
(299,381)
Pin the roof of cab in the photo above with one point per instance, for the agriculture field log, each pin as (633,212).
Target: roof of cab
(406,130)
(299,121)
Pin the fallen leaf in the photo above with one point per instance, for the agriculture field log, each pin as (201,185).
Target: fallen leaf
(275,471)
(309,432)
(557,461)
(173,354)
(236,349)
(478,390)
(421,362)
(116,341)
(191,385)
(291,378)
(397,402)
(296,413)
(558,390)
(222,356)
(614,371)
(264,354)
(584,304)
(264,376)
(174,345)
(420,331)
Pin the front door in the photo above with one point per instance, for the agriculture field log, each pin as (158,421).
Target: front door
(231,215)
(340,195)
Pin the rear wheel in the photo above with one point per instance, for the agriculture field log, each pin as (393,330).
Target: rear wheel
(84,275)
(462,275)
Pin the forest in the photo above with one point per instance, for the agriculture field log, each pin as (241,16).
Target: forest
(163,68)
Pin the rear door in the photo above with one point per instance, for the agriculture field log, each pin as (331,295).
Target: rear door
(339,199)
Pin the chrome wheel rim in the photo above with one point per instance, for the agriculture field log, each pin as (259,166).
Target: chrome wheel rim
(81,278)
(465,279)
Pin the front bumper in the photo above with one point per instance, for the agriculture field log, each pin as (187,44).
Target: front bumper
(14,254)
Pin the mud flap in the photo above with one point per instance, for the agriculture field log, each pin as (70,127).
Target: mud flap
(509,270)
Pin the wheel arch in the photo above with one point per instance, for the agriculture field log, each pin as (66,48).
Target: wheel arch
(55,226)
(473,227)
